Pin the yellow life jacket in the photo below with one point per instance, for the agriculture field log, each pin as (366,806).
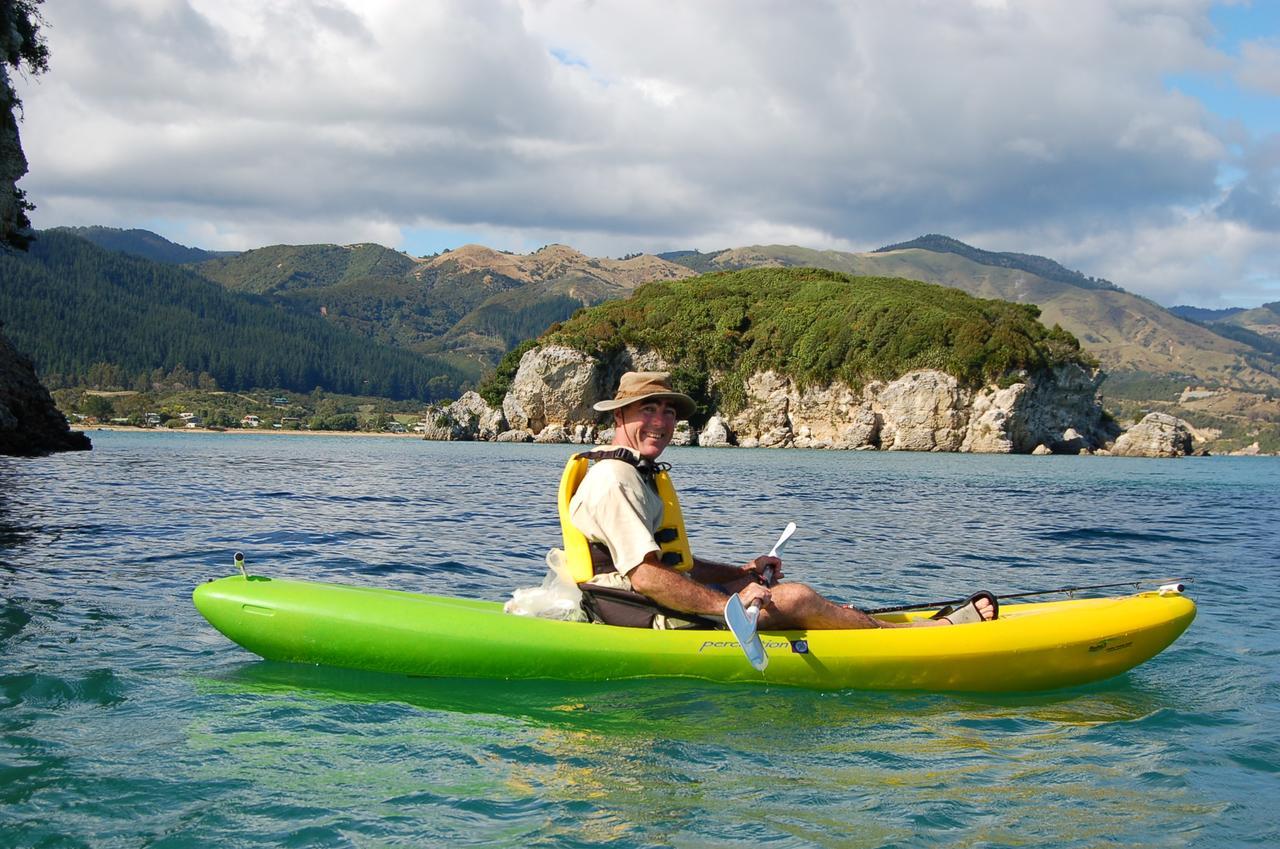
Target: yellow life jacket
(671,537)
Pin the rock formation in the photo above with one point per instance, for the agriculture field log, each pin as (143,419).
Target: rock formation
(30,424)
(1157,435)
(467,419)
(925,410)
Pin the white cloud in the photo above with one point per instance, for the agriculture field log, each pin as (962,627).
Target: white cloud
(1260,66)
(616,126)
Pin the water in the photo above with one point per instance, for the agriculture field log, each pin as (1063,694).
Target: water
(126,721)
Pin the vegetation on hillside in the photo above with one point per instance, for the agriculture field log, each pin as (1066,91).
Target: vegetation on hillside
(817,326)
(142,243)
(183,408)
(1038,265)
(280,268)
(74,308)
(474,313)
(22,48)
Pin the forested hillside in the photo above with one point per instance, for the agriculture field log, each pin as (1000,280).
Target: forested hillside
(73,306)
(468,305)
(141,243)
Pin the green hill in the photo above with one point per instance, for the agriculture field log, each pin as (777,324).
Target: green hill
(1037,265)
(469,305)
(284,268)
(140,243)
(72,305)
(1130,335)
(817,326)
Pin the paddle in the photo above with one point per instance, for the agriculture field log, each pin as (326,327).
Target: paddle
(767,575)
(1165,588)
(742,621)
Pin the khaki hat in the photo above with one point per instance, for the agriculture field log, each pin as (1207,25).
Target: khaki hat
(640,385)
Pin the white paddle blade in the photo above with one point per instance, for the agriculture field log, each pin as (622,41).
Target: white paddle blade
(743,625)
(782,540)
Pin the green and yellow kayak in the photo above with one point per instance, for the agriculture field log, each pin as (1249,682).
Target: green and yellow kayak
(1039,646)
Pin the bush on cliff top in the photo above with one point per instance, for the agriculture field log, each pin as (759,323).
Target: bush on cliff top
(817,326)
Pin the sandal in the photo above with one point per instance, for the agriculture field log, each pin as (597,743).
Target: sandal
(967,612)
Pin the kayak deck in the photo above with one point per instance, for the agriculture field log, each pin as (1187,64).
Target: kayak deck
(1037,646)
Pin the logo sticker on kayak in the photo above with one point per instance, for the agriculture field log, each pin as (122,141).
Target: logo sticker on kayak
(734,644)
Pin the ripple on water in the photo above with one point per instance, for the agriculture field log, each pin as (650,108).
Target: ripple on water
(123,716)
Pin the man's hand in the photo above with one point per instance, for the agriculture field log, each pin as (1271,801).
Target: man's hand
(767,569)
(755,592)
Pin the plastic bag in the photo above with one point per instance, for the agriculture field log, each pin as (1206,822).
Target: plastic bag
(557,598)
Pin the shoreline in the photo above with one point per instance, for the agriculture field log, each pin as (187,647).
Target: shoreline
(242,431)
(357,434)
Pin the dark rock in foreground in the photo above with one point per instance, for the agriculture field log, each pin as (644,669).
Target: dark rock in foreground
(30,424)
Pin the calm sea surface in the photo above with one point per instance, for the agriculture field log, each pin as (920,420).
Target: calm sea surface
(126,721)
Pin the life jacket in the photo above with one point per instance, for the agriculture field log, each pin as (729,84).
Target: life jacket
(586,559)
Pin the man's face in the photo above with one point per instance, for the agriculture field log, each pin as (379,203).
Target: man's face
(646,426)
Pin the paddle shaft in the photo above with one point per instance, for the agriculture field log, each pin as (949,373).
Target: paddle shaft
(929,605)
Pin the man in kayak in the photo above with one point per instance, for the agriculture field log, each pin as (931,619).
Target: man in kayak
(616,508)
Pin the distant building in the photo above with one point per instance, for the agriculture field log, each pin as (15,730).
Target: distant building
(251,421)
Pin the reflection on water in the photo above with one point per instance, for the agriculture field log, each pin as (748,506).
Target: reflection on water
(649,762)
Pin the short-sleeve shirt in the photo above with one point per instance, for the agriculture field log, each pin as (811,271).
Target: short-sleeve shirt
(614,506)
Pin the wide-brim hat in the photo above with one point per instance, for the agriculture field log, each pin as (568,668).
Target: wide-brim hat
(642,385)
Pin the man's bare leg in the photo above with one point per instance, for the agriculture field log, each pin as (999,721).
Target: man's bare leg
(798,606)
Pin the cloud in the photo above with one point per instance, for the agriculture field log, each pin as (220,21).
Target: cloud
(619,126)
(1260,66)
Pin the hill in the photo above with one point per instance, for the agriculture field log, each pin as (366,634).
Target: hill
(140,243)
(817,326)
(1263,321)
(1202,314)
(76,309)
(470,305)
(1132,337)
(1037,265)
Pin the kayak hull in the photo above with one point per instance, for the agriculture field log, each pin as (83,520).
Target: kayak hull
(1031,647)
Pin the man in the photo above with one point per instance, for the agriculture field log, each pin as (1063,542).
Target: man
(617,508)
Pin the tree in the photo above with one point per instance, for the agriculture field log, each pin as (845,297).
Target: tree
(22,48)
(98,407)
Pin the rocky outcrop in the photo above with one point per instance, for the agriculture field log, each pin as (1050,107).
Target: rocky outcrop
(469,418)
(926,410)
(30,424)
(1157,435)
(1055,411)
(558,385)
(715,434)
(13,162)
(553,385)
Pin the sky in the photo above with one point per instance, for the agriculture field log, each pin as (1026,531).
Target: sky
(1134,140)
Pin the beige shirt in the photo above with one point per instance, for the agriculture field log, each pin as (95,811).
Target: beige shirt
(614,506)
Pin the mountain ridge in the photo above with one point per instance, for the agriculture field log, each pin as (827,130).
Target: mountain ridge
(473,303)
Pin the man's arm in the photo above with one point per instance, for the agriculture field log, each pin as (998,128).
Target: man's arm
(679,592)
(711,572)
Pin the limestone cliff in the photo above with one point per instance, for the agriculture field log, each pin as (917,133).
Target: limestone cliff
(924,410)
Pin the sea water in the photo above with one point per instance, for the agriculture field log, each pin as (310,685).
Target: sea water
(126,721)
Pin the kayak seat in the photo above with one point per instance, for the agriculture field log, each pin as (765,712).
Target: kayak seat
(628,609)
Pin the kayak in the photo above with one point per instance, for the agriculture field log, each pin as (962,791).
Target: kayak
(1034,646)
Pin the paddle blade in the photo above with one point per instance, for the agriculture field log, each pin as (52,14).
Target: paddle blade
(743,626)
